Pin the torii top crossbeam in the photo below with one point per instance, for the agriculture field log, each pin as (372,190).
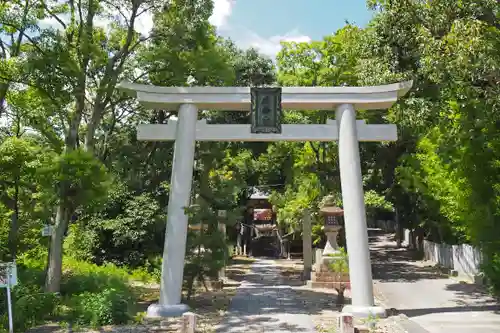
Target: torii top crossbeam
(292,98)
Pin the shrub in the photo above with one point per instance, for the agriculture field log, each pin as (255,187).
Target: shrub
(150,272)
(4,231)
(146,275)
(90,294)
(110,306)
(340,265)
(79,277)
(491,269)
(31,306)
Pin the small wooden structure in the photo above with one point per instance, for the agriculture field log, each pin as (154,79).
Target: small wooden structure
(256,233)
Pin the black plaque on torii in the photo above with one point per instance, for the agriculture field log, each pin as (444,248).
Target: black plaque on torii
(266,110)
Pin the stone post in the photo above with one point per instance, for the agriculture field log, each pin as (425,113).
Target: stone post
(188,323)
(307,244)
(318,255)
(177,221)
(239,240)
(355,216)
(222,228)
(345,323)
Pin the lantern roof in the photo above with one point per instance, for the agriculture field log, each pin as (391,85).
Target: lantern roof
(331,210)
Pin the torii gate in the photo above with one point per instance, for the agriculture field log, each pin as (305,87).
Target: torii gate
(187,129)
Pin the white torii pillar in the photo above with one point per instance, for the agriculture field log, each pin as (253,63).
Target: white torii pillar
(360,272)
(174,251)
(185,131)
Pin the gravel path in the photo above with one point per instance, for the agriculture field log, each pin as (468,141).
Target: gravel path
(263,304)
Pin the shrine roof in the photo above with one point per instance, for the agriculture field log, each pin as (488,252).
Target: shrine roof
(259,194)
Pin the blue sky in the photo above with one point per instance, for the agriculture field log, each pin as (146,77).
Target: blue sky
(264,23)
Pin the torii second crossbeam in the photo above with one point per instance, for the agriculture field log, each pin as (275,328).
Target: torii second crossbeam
(293,132)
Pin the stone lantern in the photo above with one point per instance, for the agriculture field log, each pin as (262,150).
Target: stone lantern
(325,276)
(332,216)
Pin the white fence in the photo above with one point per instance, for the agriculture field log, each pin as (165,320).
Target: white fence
(464,258)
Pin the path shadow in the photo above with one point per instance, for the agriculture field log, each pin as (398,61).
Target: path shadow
(236,274)
(421,312)
(470,290)
(469,294)
(392,264)
(257,309)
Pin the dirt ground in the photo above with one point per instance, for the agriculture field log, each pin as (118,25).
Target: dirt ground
(322,303)
(211,306)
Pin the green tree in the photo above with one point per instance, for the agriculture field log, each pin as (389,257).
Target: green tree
(447,174)
(19,160)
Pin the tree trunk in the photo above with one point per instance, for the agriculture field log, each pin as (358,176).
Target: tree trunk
(4,87)
(340,296)
(111,73)
(14,222)
(54,267)
(281,245)
(13,235)
(63,211)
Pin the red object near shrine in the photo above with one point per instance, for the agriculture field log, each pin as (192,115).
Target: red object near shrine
(263,214)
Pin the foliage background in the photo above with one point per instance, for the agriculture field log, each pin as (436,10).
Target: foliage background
(69,156)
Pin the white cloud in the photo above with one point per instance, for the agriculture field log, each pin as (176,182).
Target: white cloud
(269,46)
(245,37)
(144,23)
(222,11)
